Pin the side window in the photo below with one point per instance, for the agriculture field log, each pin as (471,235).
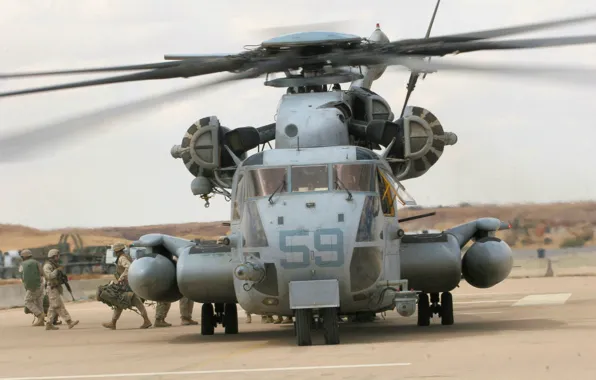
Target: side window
(238,199)
(359,109)
(386,194)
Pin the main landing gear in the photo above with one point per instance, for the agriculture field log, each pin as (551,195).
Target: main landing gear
(305,322)
(427,309)
(224,314)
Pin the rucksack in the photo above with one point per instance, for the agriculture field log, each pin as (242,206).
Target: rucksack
(115,295)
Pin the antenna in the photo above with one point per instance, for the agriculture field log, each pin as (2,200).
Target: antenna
(414,75)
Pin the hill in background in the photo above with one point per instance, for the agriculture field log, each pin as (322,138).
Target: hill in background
(535,225)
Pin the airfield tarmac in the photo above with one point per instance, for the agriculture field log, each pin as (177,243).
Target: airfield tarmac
(536,328)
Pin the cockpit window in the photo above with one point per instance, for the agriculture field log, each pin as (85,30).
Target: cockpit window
(387,194)
(310,178)
(263,182)
(354,177)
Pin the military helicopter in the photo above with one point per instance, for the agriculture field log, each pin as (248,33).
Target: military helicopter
(314,226)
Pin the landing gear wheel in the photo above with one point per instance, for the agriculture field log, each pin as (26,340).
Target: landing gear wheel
(230,318)
(303,322)
(446,309)
(331,325)
(424,311)
(207,319)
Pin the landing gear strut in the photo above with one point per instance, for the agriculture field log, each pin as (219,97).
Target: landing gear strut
(224,314)
(427,309)
(305,322)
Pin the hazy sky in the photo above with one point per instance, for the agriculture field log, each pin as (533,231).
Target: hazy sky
(519,139)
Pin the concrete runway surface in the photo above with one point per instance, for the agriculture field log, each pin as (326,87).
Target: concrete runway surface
(538,328)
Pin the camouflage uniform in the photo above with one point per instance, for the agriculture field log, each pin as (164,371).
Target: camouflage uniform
(51,269)
(34,292)
(123,263)
(186,307)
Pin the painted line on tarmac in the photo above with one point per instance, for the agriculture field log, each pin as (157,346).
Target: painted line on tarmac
(480,313)
(209,372)
(483,301)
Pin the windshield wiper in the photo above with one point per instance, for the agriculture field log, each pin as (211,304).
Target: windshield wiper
(281,186)
(338,182)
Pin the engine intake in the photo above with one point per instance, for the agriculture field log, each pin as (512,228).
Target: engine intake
(488,262)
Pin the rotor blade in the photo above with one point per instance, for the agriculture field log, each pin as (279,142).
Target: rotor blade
(581,75)
(500,32)
(203,57)
(20,146)
(181,70)
(466,47)
(147,66)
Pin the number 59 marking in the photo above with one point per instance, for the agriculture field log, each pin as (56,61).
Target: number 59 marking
(319,246)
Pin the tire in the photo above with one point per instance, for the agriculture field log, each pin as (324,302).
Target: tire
(230,319)
(303,321)
(330,325)
(424,312)
(207,319)
(446,309)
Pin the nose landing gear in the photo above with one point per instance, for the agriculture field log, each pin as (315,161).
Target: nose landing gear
(305,322)
(224,314)
(427,309)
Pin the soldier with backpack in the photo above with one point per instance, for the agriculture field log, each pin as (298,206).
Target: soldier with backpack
(123,262)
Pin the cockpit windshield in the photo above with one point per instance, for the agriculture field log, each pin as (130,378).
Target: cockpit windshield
(263,182)
(354,177)
(310,178)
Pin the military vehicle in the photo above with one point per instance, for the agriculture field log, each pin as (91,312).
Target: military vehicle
(314,230)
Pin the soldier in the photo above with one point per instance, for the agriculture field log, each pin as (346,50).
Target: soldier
(123,262)
(32,277)
(51,271)
(186,306)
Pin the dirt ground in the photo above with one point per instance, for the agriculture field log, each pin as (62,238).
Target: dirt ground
(538,328)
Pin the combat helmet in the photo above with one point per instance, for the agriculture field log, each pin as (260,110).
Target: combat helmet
(53,252)
(119,247)
(25,253)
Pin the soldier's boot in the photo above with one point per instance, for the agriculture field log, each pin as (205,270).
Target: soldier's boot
(161,323)
(188,322)
(40,320)
(72,323)
(248,318)
(146,324)
(110,325)
(287,320)
(278,320)
(56,321)
(50,326)
(269,319)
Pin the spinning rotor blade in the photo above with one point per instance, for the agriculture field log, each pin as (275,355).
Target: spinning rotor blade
(23,145)
(499,32)
(181,70)
(466,47)
(580,75)
(147,66)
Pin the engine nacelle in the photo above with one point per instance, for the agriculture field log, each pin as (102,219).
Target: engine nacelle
(154,278)
(488,262)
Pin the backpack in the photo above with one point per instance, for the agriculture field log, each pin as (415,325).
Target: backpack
(115,296)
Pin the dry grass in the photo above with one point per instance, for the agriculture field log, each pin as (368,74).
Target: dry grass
(567,215)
